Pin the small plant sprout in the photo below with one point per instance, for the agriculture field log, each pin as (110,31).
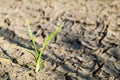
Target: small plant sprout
(37,54)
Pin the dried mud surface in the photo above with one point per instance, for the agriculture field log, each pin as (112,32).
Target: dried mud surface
(87,48)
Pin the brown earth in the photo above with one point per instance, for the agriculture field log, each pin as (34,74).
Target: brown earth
(87,48)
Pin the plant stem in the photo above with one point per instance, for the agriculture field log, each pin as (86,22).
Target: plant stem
(37,65)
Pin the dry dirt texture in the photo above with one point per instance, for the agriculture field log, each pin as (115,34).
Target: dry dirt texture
(87,48)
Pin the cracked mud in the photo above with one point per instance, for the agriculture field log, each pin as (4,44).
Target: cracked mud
(87,48)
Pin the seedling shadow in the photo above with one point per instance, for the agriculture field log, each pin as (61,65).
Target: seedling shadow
(14,60)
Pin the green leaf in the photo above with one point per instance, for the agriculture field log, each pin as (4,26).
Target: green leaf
(29,51)
(33,40)
(49,38)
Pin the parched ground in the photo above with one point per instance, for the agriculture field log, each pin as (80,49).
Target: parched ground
(87,48)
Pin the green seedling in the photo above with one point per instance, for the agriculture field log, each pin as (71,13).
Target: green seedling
(37,54)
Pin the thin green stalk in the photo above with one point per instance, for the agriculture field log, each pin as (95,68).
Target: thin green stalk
(33,41)
(48,39)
